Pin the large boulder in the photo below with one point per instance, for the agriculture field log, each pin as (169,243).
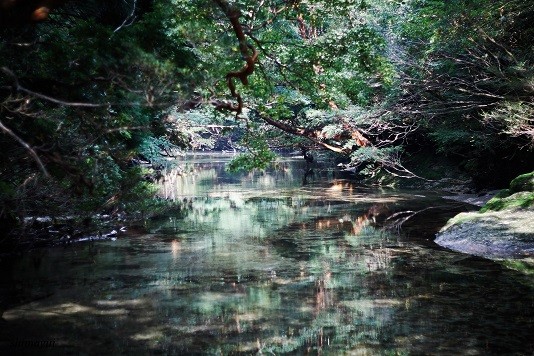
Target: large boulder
(523,183)
(494,234)
(503,228)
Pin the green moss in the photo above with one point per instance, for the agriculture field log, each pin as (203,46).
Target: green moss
(517,200)
(460,219)
(503,194)
(523,266)
(524,182)
(520,195)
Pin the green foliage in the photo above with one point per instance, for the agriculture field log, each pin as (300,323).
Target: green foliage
(456,140)
(457,74)
(151,149)
(369,154)
(515,118)
(469,70)
(258,156)
(121,75)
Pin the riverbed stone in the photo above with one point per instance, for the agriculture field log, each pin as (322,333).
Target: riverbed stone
(503,228)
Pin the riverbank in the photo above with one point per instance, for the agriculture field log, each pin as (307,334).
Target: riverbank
(474,199)
(502,229)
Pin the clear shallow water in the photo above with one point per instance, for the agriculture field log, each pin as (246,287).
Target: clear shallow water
(264,263)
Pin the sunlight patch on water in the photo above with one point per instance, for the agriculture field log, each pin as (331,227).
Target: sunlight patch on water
(147,336)
(36,310)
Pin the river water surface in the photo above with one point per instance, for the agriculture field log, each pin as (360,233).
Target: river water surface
(286,261)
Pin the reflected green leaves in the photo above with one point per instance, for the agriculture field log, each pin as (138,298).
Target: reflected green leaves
(257,262)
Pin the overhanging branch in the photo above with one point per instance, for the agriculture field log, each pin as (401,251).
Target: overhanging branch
(249,53)
(17,87)
(314,136)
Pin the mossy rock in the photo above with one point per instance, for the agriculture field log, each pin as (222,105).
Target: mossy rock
(460,219)
(504,227)
(503,194)
(495,234)
(518,200)
(520,195)
(523,183)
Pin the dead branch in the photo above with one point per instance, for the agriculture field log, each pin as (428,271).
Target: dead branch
(17,87)
(129,19)
(24,144)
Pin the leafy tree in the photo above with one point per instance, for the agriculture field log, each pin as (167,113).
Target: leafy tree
(100,85)
(322,57)
(468,80)
(81,99)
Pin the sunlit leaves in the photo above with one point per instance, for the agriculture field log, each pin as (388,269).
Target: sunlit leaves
(258,155)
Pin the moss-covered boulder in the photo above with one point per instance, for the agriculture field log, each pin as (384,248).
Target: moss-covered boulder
(494,234)
(519,195)
(506,201)
(523,183)
(503,228)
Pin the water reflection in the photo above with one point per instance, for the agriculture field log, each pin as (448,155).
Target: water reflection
(259,263)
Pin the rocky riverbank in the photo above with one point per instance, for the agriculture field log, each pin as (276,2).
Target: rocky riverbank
(495,234)
(503,228)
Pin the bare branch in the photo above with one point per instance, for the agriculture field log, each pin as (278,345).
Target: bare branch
(24,144)
(129,19)
(16,85)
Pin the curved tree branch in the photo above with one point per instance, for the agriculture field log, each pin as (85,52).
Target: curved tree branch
(17,87)
(249,53)
(24,144)
(314,136)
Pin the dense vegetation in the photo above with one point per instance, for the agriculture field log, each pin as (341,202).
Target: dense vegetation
(95,87)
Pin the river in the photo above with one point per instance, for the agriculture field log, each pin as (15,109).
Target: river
(283,261)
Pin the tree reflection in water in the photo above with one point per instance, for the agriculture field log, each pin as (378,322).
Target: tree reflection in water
(258,263)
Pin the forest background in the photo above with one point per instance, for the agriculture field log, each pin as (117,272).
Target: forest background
(95,96)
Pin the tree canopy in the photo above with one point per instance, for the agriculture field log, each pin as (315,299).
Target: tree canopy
(88,89)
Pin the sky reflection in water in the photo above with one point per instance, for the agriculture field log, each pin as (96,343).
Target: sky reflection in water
(262,263)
